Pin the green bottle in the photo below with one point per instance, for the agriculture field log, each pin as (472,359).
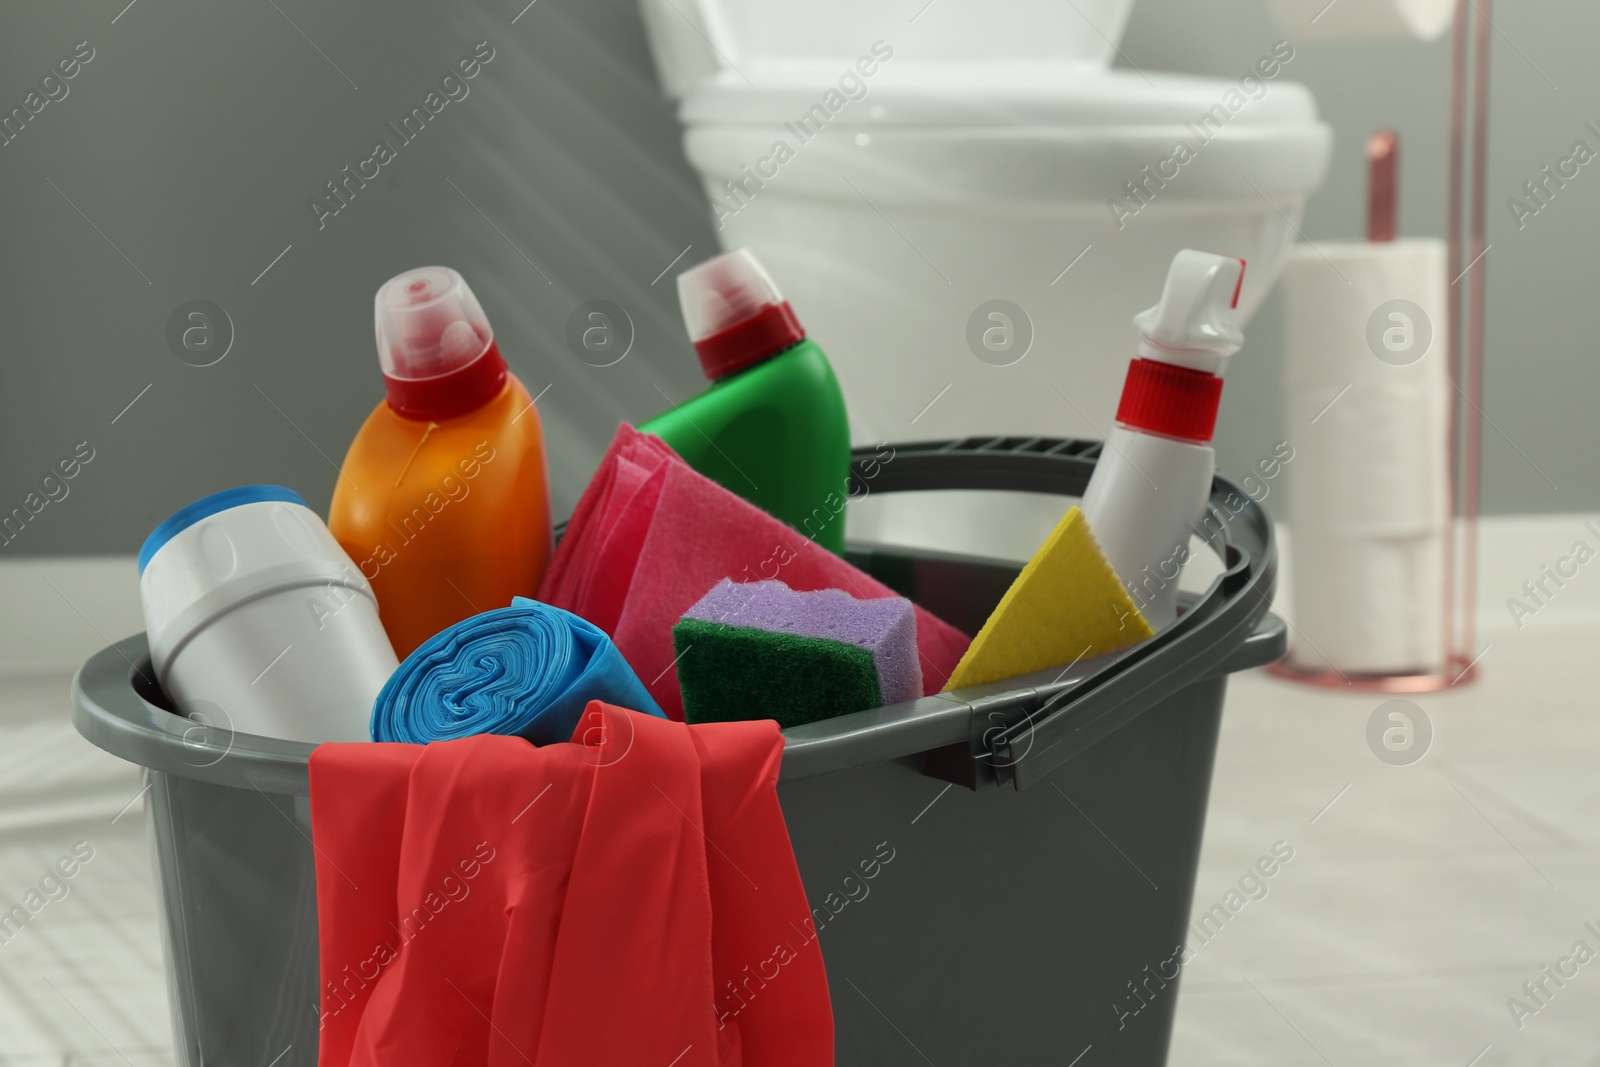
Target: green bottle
(772,427)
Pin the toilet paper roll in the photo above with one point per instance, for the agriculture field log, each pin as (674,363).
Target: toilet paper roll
(1368,605)
(1364,456)
(1363,19)
(1367,400)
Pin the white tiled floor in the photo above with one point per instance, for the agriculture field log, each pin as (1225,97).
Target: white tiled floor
(1423,898)
(1416,903)
(82,982)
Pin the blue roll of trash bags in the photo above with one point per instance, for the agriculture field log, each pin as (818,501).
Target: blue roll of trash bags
(528,670)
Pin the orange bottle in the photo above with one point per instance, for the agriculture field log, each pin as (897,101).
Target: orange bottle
(442,501)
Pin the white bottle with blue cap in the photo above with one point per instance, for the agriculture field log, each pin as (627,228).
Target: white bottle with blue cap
(258,622)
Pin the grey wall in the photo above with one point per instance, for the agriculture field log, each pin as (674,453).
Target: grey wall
(193,140)
(1542,380)
(192,143)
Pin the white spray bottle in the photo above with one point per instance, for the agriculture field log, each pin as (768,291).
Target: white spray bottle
(1150,487)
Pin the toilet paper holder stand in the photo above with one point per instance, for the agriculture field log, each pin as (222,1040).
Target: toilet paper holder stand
(1469,107)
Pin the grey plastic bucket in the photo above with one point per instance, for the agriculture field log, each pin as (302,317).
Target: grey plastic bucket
(1009,924)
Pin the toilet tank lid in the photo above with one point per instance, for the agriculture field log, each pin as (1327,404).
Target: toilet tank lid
(988,94)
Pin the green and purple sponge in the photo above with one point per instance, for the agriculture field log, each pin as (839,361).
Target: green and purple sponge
(760,650)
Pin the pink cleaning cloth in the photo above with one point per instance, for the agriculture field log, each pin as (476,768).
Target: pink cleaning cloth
(650,536)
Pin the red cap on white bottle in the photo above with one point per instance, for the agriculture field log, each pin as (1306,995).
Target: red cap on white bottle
(734,313)
(435,345)
(1173,387)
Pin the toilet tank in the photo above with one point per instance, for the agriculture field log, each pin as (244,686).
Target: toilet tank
(691,39)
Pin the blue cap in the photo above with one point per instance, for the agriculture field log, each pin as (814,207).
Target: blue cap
(207,506)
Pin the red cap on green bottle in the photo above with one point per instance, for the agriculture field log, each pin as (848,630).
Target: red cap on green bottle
(734,313)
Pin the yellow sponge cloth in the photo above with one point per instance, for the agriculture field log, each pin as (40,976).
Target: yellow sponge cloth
(1066,605)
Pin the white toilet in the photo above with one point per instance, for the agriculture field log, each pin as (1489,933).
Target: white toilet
(966,207)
